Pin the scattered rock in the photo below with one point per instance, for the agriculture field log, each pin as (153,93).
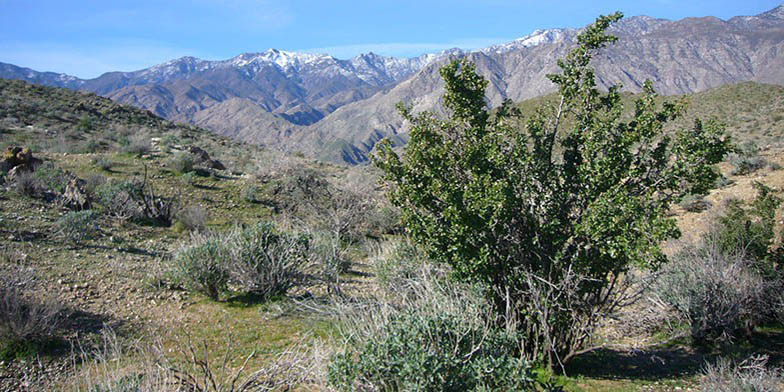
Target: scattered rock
(203,158)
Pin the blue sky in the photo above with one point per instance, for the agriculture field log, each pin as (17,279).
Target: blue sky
(88,37)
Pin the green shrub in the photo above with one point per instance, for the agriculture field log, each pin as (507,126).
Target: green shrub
(189,178)
(193,218)
(252,194)
(103,163)
(203,265)
(51,177)
(266,261)
(138,144)
(260,260)
(26,184)
(432,353)
(694,203)
(549,210)
(182,163)
(751,228)
(78,226)
(119,199)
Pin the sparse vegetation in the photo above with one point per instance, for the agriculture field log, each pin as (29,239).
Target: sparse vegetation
(77,226)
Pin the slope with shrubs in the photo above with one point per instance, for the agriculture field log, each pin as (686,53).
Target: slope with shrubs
(282,271)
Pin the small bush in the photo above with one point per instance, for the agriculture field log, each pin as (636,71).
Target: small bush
(252,194)
(138,144)
(78,226)
(266,261)
(718,295)
(25,320)
(119,199)
(93,182)
(182,163)
(26,184)
(432,353)
(694,203)
(747,159)
(103,163)
(750,375)
(189,178)
(193,218)
(403,263)
(203,265)
(260,260)
(51,177)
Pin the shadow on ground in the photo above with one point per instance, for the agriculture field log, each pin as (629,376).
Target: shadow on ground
(677,361)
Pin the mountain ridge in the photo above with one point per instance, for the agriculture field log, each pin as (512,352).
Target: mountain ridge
(338,109)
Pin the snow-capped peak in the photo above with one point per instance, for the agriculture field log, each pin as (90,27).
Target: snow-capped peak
(537,37)
(282,58)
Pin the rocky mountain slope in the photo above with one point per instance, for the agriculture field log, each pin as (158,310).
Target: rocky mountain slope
(338,109)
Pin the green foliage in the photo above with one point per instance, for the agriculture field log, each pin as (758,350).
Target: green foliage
(432,353)
(182,163)
(751,229)
(51,177)
(502,203)
(404,263)
(252,194)
(78,226)
(103,163)
(189,178)
(266,261)
(203,265)
(260,260)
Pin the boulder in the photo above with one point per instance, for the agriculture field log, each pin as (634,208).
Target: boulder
(203,158)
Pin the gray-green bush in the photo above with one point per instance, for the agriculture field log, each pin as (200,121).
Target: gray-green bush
(203,265)
(77,226)
(261,260)
(24,318)
(750,375)
(439,352)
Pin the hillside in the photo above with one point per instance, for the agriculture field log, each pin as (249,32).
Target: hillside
(338,109)
(122,305)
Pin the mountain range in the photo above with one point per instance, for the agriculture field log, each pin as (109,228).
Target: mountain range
(339,109)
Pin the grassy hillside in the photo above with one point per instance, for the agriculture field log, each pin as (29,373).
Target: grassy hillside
(123,302)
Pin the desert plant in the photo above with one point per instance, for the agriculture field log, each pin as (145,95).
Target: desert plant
(266,261)
(416,352)
(182,163)
(103,163)
(751,228)
(138,144)
(746,159)
(193,218)
(750,375)
(401,263)
(252,194)
(694,203)
(26,184)
(189,178)
(119,199)
(717,294)
(24,319)
(329,253)
(524,210)
(203,264)
(77,226)
(51,177)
